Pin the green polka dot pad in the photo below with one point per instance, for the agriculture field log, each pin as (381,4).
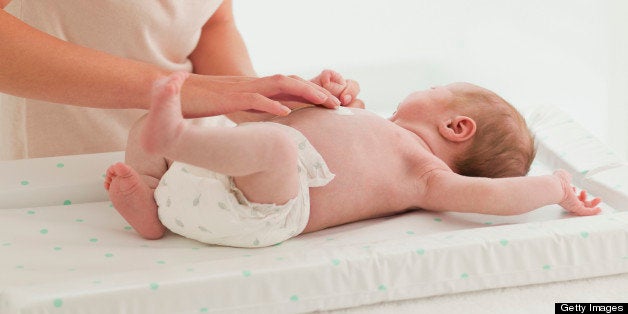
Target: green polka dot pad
(60,181)
(89,264)
(83,257)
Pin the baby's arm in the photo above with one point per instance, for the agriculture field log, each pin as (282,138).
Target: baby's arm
(447,191)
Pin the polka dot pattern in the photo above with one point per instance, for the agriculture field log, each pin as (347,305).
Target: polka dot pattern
(78,238)
(252,265)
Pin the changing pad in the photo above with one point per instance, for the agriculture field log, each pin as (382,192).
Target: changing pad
(66,250)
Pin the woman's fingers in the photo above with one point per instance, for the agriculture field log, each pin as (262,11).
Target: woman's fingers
(230,94)
(253,101)
(280,84)
(225,103)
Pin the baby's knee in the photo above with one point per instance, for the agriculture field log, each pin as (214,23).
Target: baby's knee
(283,148)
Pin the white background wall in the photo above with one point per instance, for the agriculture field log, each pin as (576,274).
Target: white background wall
(568,53)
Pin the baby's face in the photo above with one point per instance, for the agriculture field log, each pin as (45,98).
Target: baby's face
(425,106)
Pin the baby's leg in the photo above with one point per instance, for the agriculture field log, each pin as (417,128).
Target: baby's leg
(131,186)
(261,157)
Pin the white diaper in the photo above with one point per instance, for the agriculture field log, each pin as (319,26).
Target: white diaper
(207,206)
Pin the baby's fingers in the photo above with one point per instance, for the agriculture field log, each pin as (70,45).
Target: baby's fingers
(583,211)
(350,92)
(335,77)
(592,203)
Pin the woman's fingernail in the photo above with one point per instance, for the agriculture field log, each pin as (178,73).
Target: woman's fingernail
(284,113)
(346,99)
(336,101)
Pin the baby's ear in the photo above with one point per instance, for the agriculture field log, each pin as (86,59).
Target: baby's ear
(458,129)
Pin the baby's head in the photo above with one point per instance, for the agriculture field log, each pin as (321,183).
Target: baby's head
(502,145)
(474,130)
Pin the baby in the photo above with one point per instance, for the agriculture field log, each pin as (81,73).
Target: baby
(456,148)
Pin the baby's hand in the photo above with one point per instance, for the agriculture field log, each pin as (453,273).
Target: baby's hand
(574,203)
(345,90)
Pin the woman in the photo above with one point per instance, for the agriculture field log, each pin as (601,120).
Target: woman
(68,60)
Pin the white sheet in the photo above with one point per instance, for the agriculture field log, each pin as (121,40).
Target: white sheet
(84,258)
(536,299)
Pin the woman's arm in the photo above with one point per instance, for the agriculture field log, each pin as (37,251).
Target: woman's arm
(222,51)
(39,66)
(447,191)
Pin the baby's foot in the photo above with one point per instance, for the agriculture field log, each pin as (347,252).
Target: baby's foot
(164,121)
(134,200)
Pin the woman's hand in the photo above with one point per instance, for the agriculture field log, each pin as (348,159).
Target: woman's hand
(228,94)
(243,98)
(576,203)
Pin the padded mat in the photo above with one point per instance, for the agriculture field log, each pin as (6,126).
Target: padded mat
(65,249)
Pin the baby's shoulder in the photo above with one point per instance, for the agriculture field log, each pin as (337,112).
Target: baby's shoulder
(423,162)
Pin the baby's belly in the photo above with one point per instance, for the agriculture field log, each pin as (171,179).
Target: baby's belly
(358,150)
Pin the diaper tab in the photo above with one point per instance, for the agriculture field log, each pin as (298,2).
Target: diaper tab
(313,164)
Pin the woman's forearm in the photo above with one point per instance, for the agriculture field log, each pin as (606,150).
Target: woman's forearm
(222,51)
(36,65)
(39,66)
